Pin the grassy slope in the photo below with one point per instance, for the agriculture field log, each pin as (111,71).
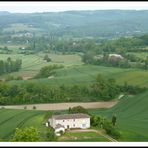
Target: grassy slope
(86,74)
(132,117)
(11,119)
(131,114)
(31,64)
(74,72)
(17,27)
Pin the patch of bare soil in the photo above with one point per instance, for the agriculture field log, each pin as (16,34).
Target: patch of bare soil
(65,106)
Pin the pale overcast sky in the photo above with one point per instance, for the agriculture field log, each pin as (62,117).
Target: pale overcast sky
(29,7)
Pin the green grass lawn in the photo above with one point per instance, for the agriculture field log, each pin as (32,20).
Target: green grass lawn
(82,137)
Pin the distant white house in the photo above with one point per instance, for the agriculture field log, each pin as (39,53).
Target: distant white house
(69,121)
(116,56)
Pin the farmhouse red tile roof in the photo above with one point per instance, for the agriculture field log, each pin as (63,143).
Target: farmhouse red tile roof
(70,116)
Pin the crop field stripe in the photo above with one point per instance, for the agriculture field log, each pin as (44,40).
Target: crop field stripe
(31,65)
(130,105)
(3,122)
(20,124)
(7,114)
(85,73)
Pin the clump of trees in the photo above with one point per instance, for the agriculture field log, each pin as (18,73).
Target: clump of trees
(10,65)
(10,78)
(33,92)
(47,71)
(32,134)
(77,109)
(111,130)
(29,134)
(108,126)
(50,135)
(130,89)
(47,58)
(105,60)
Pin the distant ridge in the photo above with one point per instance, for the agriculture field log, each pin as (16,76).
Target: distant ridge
(4,12)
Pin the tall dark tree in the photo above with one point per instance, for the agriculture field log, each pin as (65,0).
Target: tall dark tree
(114,120)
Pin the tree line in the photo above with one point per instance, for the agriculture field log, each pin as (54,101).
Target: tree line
(10,65)
(30,93)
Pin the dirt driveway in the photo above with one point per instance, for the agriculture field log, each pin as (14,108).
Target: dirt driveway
(64,106)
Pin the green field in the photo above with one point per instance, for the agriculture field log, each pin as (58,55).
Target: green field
(12,119)
(132,117)
(131,114)
(74,72)
(17,27)
(86,74)
(31,64)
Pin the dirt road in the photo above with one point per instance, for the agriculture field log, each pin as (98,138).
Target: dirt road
(64,106)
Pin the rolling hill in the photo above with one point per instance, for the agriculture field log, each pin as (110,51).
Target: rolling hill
(98,23)
(132,117)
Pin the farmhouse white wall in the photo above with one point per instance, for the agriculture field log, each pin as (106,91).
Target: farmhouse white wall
(72,123)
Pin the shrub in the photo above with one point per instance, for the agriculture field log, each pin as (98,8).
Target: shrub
(9,78)
(50,135)
(96,121)
(48,71)
(29,134)
(34,107)
(77,109)
(19,78)
(110,130)
(47,58)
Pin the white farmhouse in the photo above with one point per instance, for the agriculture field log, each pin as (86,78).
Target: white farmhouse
(69,121)
(116,56)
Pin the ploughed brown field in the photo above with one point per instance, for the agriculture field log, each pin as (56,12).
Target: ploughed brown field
(64,106)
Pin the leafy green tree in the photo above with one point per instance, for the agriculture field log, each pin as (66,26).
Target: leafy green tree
(46,57)
(78,109)
(29,134)
(48,71)
(88,58)
(34,107)
(50,135)
(146,63)
(96,121)
(19,78)
(111,130)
